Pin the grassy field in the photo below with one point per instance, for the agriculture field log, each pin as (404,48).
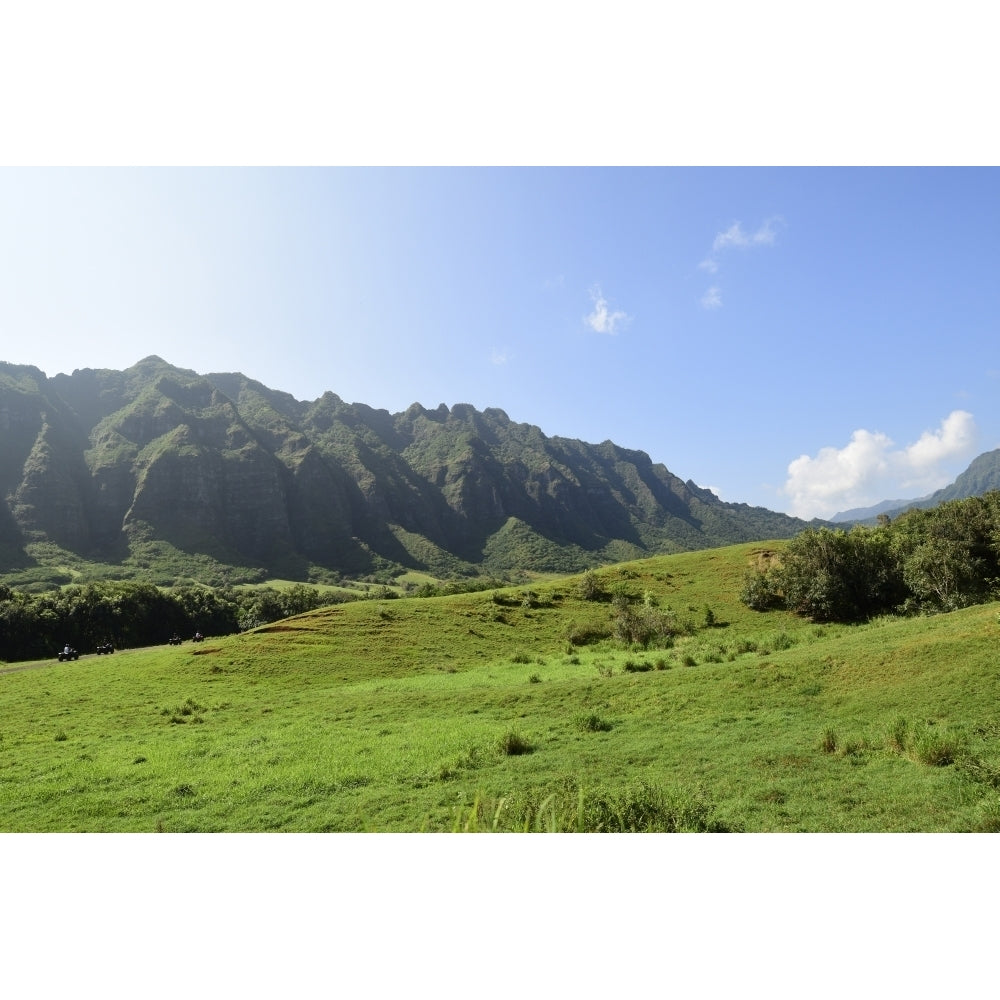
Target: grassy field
(477,712)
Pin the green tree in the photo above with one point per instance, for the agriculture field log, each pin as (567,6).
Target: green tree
(951,553)
(834,575)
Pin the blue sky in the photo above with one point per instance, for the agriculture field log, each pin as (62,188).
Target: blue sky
(803,339)
(808,338)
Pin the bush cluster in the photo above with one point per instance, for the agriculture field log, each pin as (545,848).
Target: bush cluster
(590,587)
(464,586)
(645,627)
(926,560)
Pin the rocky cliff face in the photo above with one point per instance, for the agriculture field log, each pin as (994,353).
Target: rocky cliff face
(222,466)
(50,500)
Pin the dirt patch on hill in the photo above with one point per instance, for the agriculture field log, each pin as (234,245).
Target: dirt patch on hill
(6,668)
(763,559)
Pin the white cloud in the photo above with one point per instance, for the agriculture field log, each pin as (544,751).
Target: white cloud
(732,237)
(735,237)
(765,236)
(957,436)
(602,320)
(868,469)
(712,299)
(838,478)
(498,357)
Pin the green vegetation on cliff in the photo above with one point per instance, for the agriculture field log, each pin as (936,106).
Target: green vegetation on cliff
(158,474)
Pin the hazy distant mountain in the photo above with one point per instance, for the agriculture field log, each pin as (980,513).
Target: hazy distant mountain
(982,476)
(867,513)
(157,471)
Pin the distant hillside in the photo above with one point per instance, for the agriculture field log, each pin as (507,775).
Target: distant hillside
(982,476)
(870,513)
(157,471)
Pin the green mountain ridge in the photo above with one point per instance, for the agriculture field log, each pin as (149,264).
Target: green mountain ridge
(158,470)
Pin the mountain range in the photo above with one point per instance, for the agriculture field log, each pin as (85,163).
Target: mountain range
(982,476)
(159,470)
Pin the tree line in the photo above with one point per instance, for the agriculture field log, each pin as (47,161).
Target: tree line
(924,561)
(126,614)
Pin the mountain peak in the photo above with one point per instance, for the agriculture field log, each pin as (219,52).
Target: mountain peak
(219,477)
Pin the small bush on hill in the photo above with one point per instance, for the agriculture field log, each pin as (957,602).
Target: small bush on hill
(935,746)
(645,627)
(632,667)
(590,588)
(591,722)
(898,738)
(759,590)
(585,635)
(938,747)
(513,744)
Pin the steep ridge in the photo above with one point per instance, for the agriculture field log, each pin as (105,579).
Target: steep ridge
(116,466)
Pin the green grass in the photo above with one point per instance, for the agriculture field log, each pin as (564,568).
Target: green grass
(460,712)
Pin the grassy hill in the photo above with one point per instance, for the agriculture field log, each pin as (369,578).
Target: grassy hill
(519,709)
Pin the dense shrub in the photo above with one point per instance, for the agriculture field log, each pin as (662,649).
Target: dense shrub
(936,746)
(590,588)
(926,560)
(512,744)
(646,626)
(584,635)
(636,666)
(831,575)
(760,590)
(591,722)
